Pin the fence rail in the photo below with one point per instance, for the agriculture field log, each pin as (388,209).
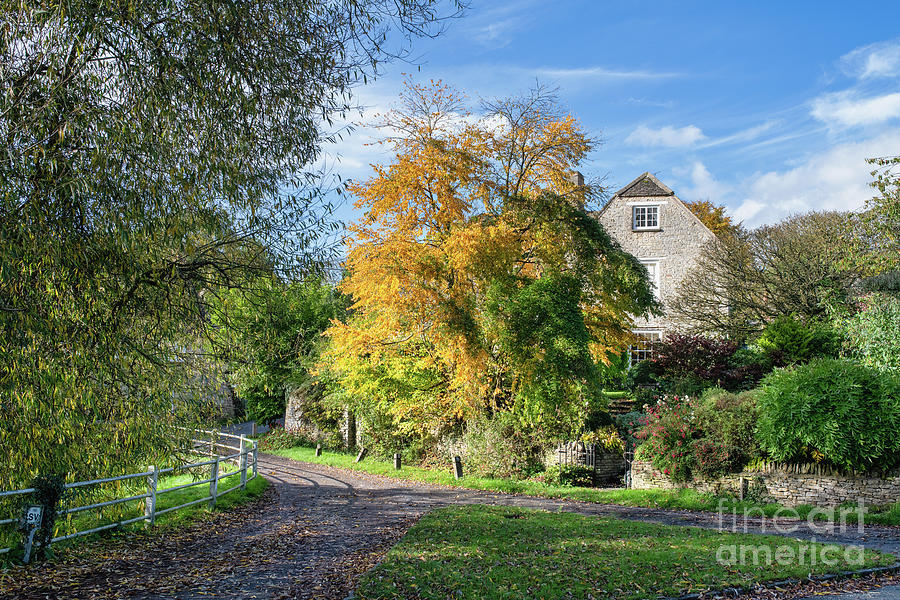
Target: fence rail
(245,454)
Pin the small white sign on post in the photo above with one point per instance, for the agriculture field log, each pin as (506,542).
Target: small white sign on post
(31,521)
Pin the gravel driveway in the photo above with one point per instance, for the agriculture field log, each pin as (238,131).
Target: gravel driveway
(313,534)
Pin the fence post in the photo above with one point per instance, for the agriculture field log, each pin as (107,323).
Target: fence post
(150,504)
(214,483)
(255,456)
(243,463)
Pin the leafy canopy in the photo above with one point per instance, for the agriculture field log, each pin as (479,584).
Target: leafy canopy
(832,410)
(800,266)
(479,279)
(155,153)
(271,337)
(713,216)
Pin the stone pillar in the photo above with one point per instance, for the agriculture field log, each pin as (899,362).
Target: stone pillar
(349,429)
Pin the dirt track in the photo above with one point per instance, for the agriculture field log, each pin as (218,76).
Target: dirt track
(313,534)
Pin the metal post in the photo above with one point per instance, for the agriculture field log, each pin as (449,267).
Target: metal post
(243,463)
(150,504)
(397,461)
(255,457)
(318,449)
(214,483)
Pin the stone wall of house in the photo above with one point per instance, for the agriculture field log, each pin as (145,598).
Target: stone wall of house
(790,485)
(677,244)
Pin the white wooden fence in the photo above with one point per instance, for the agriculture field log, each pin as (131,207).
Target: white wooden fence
(244,455)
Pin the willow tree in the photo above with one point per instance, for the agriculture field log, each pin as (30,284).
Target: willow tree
(480,281)
(154,153)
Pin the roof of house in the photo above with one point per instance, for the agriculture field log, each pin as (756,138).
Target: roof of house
(647,186)
(643,186)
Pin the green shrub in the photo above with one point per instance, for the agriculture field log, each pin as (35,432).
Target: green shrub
(383,438)
(839,411)
(628,425)
(574,475)
(788,340)
(501,447)
(606,438)
(280,439)
(613,376)
(707,437)
(639,375)
(873,331)
(728,424)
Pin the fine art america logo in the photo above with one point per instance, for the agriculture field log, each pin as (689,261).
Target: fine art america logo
(788,522)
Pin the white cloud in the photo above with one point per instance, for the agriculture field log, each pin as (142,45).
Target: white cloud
(499,33)
(837,179)
(848,109)
(668,136)
(875,60)
(745,135)
(602,73)
(704,186)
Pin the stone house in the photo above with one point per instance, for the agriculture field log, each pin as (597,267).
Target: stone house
(650,222)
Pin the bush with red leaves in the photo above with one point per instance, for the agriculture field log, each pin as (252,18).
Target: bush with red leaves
(690,363)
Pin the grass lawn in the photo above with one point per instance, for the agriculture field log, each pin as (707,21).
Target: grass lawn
(504,552)
(683,499)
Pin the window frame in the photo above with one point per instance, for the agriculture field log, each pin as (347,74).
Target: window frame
(636,353)
(655,279)
(646,208)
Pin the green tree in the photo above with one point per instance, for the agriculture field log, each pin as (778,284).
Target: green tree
(883,213)
(271,337)
(481,283)
(155,153)
(799,266)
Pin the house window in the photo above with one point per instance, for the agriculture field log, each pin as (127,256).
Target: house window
(652,267)
(643,348)
(644,217)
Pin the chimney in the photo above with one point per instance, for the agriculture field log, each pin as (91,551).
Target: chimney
(576,178)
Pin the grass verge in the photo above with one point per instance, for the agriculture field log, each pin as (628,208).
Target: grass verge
(505,552)
(682,499)
(126,510)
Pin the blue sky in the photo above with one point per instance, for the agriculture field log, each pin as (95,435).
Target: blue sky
(769,108)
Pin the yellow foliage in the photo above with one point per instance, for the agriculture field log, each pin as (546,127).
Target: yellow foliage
(438,230)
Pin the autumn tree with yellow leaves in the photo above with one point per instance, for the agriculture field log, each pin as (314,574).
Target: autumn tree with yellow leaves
(480,282)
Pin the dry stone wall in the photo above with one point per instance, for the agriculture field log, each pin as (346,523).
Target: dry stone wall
(608,466)
(787,485)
